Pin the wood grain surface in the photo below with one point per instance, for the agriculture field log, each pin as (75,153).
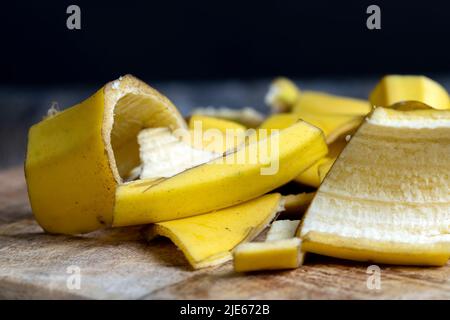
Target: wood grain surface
(118,264)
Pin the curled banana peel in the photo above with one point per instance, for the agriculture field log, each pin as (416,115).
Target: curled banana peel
(76,158)
(216,134)
(281,250)
(398,88)
(386,197)
(208,239)
(327,104)
(245,174)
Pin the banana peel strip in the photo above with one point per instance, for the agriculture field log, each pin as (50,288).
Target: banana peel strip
(207,240)
(394,89)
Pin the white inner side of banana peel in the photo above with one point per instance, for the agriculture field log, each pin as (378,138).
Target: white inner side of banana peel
(130,106)
(164,155)
(139,133)
(391,183)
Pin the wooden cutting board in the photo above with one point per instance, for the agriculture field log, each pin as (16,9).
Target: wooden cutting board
(118,264)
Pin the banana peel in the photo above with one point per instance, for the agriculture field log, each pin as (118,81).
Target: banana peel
(397,88)
(285,96)
(207,123)
(208,239)
(76,158)
(216,134)
(273,255)
(247,116)
(386,197)
(281,250)
(336,116)
(313,176)
(282,95)
(298,203)
(333,126)
(164,155)
(327,104)
(310,176)
(282,229)
(223,182)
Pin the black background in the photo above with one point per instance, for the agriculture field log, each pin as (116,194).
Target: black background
(216,39)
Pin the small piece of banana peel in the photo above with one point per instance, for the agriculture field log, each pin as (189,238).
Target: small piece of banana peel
(216,134)
(394,89)
(76,158)
(386,197)
(314,175)
(208,239)
(281,250)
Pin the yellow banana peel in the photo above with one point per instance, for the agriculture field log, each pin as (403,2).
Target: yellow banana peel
(397,88)
(386,197)
(216,134)
(298,203)
(325,167)
(313,176)
(335,139)
(208,239)
(322,103)
(334,126)
(281,250)
(282,229)
(285,96)
(282,95)
(77,157)
(310,177)
(224,182)
(273,255)
(247,116)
